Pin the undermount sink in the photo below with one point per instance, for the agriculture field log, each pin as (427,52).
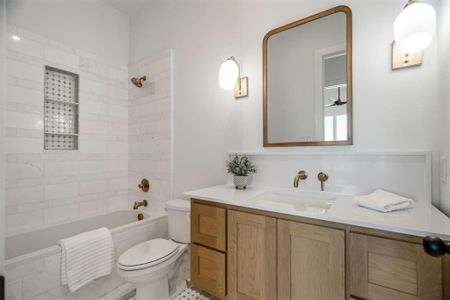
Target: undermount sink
(301,201)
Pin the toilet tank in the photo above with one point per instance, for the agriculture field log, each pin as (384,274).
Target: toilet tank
(179,218)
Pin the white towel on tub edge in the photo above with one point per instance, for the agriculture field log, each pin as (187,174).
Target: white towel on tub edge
(86,257)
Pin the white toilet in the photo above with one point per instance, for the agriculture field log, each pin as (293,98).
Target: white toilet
(147,264)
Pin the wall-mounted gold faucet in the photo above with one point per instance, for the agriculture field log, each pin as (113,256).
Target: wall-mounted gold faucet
(322,178)
(138,204)
(302,175)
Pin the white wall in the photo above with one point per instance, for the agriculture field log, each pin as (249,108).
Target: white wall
(90,25)
(2,157)
(443,36)
(393,110)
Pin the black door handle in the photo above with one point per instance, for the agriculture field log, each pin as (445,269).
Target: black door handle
(436,247)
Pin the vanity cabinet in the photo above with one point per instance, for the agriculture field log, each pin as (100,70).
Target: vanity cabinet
(208,225)
(246,254)
(383,269)
(252,256)
(208,270)
(311,262)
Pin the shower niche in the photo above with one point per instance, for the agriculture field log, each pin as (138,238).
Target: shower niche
(60,110)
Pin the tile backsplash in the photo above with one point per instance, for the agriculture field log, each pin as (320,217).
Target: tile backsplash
(46,186)
(352,173)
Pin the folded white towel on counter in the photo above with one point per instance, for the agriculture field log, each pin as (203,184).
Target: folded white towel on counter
(384,201)
(86,257)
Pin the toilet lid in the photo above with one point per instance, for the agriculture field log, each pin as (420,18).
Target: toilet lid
(148,254)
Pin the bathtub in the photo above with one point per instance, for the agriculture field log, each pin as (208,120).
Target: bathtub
(33,258)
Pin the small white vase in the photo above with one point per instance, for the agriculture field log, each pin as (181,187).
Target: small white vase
(240,182)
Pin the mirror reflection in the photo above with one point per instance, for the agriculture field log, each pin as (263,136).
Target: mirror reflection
(306,82)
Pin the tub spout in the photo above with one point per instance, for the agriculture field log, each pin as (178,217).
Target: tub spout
(138,204)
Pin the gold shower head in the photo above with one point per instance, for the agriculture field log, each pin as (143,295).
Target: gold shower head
(138,81)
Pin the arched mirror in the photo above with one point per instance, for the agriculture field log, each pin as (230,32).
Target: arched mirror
(307,81)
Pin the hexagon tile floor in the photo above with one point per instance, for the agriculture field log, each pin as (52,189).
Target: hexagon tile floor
(187,294)
(190,294)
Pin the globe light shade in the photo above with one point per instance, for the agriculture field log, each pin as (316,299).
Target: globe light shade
(414,27)
(228,74)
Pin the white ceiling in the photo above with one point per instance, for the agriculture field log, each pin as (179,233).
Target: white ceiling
(129,7)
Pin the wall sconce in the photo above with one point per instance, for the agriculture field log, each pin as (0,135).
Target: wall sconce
(414,27)
(230,78)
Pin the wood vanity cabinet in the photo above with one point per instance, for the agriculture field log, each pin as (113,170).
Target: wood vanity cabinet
(252,256)
(208,256)
(382,269)
(311,262)
(208,225)
(246,254)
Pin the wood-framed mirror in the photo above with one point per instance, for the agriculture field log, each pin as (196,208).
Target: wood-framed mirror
(307,81)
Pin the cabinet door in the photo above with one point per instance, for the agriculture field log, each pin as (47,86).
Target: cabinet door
(208,270)
(383,269)
(208,226)
(311,262)
(251,256)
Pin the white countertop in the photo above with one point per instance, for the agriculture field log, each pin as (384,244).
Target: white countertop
(422,220)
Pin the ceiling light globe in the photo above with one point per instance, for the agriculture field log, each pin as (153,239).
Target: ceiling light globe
(228,74)
(414,27)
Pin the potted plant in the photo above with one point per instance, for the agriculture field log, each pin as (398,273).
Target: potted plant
(241,167)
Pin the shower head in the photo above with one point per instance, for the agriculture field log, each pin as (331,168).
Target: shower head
(138,81)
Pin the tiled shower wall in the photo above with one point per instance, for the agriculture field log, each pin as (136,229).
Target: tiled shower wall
(45,187)
(150,130)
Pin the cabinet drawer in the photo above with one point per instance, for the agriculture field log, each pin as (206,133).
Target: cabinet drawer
(208,270)
(208,226)
(387,269)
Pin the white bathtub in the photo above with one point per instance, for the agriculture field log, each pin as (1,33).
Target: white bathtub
(33,258)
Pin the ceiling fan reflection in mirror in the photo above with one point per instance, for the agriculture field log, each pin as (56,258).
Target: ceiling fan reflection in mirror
(336,102)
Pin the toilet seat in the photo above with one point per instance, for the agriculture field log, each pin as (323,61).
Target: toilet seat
(147,254)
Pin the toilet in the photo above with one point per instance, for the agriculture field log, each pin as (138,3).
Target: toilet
(147,264)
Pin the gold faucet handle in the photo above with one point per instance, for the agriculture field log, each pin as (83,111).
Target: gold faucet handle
(322,178)
(144,185)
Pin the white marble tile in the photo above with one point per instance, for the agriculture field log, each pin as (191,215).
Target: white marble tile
(56,169)
(92,107)
(22,170)
(18,271)
(92,146)
(92,187)
(26,46)
(64,178)
(14,290)
(60,213)
(24,120)
(93,127)
(24,95)
(60,191)
(61,57)
(26,34)
(24,220)
(20,70)
(89,167)
(25,194)
(24,145)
